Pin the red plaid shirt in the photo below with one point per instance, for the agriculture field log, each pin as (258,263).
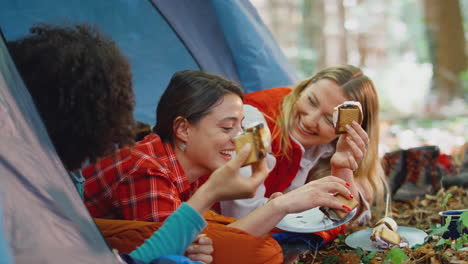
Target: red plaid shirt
(145,182)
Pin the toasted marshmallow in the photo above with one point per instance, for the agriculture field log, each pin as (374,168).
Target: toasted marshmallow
(338,214)
(384,234)
(259,137)
(345,113)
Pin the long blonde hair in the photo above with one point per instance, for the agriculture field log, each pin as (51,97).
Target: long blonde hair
(356,87)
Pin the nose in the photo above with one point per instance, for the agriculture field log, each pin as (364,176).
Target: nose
(311,119)
(237,130)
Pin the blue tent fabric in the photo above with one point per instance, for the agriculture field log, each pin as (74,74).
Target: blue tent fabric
(259,61)
(5,254)
(45,219)
(225,37)
(153,48)
(199,31)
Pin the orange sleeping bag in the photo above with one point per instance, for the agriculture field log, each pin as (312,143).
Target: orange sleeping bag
(231,245)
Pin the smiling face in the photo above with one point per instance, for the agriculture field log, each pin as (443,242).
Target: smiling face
(209,142)
(313,121)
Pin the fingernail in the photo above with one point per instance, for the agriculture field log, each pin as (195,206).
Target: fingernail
(354,122)
(348,185)
(346,208)
(351,196)
(348,127)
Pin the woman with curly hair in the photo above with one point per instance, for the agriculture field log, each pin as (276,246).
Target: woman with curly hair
(305,144)
(82,86)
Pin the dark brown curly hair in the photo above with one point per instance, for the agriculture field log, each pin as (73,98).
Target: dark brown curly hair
(82,86)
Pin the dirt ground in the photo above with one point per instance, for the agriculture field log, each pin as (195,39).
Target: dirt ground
(421,213)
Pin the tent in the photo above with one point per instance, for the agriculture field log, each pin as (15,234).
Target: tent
(225,37)
(44,218)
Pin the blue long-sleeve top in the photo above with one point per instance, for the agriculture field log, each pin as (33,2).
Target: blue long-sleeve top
(173,238)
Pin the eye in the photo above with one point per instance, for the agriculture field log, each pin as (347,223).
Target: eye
(227,129)
(312,102)
(329,120)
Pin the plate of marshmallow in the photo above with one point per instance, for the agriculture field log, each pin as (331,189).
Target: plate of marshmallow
(386,234)
(319,218)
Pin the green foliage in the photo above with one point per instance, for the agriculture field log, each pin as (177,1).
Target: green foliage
(446,198)
(462,222)
(341,240)
(438,229)
(443,241)
(464,80)
(458,245)
(417,246)
(359,251)
(330,259)
(396,256)
(367,258)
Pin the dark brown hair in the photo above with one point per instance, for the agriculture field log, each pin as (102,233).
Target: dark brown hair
(82,86)
(190,94)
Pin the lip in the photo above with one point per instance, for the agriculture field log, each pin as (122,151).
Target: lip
(303,130)
(227,154)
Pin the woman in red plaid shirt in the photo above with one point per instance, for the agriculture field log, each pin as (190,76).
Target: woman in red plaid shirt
(197,117)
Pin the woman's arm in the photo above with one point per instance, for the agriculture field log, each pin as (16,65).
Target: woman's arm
(242,207)
(174,236)
(350,150)
(313,194)
(360,189)
(183,226)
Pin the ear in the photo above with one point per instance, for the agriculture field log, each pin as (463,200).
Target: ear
(180,127)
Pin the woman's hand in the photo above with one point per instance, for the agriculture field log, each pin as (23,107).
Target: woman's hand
(228,184)
(313,194)
(274,195)
(201,249)
(351,148)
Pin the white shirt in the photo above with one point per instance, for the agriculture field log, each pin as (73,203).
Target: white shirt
(310,157)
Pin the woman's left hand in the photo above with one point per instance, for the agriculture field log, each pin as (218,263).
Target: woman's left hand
(351,148)
(201,249)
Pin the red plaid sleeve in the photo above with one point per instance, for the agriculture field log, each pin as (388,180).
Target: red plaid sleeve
(144,183)
(149,196)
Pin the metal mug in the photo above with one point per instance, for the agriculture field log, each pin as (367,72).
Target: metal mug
(452,231)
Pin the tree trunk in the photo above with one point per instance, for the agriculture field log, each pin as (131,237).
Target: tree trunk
(313,17)
(447,48)
(335,33)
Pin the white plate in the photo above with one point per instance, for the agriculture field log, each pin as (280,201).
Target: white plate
(311,221)
(361,239)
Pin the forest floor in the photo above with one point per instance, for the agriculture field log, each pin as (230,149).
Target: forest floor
(421,214)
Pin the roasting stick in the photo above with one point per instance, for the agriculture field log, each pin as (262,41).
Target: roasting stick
(387,204)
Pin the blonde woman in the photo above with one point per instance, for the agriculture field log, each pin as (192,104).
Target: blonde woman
(305,145)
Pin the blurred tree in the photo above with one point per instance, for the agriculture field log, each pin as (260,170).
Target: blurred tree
(312,40)
(335,33)
(444,25)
